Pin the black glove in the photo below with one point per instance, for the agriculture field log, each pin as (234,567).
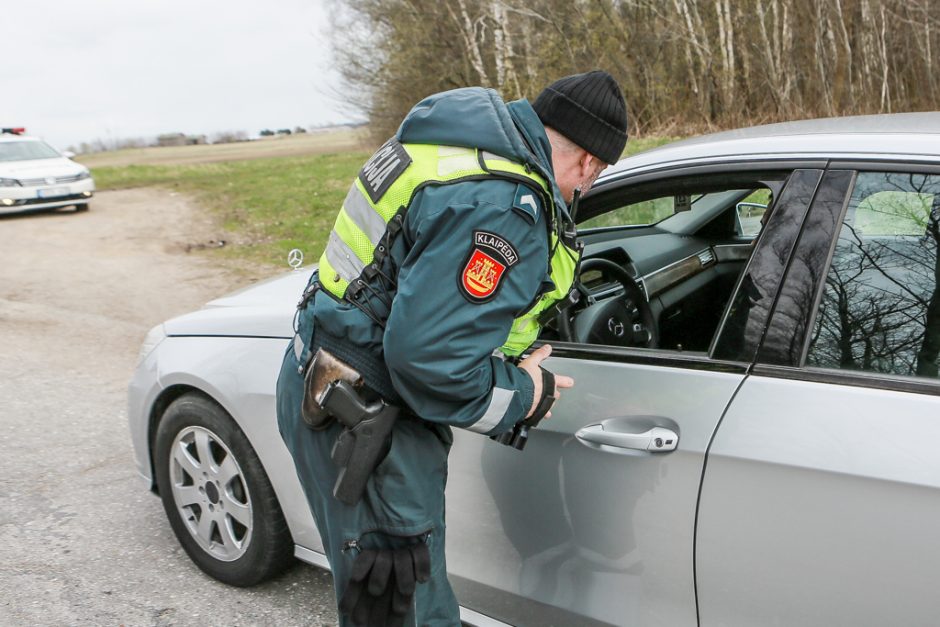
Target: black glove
(356,594)
(382,585)
(545,402)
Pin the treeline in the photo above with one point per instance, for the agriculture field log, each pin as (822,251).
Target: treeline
(684,65)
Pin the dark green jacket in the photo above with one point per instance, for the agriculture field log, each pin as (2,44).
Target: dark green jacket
(436,352)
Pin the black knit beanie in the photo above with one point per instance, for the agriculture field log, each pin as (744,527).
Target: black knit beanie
(589,110)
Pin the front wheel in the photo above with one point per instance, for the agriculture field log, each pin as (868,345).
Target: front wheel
(81,207)
(217,495)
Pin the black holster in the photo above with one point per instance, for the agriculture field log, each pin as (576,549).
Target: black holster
(333,390)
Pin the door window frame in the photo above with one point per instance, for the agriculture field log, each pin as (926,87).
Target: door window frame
(603,195)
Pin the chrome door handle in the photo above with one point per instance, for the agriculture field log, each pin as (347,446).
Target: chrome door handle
(656,440)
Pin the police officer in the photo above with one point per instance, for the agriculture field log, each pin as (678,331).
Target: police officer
(452,241)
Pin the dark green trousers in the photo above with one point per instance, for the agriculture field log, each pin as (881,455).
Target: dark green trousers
(404,498)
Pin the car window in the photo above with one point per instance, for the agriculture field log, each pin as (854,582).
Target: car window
(637,213)
(26,150)
(683,270)
(880,311)
(672,211)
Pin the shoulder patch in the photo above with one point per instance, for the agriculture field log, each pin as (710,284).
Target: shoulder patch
(527,202)
(490,258)
(383,168)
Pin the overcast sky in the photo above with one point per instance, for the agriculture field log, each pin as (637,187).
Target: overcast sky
(73,71)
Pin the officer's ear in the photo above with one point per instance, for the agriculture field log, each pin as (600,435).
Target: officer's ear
(587,163)
(590,167)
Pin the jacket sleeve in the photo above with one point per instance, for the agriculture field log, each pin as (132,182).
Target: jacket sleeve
(442,336)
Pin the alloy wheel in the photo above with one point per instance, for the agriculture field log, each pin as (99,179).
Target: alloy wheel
(210,493)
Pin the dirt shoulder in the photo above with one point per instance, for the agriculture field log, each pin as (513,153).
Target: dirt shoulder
(122,265)
(82,541)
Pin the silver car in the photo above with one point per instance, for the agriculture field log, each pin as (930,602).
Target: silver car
(752,438)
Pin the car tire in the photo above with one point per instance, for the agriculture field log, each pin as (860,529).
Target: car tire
(217,495)
(82,207)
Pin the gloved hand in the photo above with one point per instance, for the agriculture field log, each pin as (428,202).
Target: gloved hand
(532,366)
(382,585)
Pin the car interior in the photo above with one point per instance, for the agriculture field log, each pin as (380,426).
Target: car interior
(661,259)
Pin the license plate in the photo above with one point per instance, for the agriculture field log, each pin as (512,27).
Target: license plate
(52,191)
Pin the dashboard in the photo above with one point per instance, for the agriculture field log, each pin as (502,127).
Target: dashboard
(687,280)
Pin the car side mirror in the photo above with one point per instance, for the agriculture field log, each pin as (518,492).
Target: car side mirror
(68,154)
(748,217)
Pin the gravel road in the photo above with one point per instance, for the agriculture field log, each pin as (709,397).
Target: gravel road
(82,542)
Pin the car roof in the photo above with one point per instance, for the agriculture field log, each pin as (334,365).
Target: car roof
(907,135)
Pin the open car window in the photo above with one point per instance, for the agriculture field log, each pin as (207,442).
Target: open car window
(661,261)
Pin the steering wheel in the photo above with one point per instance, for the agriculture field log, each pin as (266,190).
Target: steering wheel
(626,320)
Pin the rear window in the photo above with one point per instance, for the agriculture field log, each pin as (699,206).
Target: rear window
(26,150)
(881,308)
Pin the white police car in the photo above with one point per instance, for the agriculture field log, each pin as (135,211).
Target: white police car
(34,175)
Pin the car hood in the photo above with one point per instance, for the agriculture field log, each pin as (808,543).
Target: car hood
(36,168)
(265,309)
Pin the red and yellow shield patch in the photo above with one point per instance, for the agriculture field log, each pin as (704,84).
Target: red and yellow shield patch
(482,274)
(490,258)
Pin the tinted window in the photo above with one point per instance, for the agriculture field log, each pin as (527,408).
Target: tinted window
(880,311)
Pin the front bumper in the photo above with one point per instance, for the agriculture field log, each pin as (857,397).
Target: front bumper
(16,199)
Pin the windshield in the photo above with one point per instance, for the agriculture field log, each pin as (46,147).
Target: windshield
(26,150)
(661,210)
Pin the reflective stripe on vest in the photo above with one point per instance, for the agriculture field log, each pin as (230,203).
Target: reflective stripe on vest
(361,224)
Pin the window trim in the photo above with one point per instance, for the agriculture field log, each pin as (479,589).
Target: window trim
(913,166)
(601,189)
(643,356)
(817,298)
(853,378)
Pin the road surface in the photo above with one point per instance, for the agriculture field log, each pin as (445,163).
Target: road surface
(82,542)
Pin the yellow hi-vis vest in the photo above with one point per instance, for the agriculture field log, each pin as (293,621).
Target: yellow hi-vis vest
(384,189)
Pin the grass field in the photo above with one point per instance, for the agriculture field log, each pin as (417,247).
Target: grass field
(271,203)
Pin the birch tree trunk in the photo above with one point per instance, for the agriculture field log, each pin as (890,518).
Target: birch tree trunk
(883,50)
(697,39)
(726,47)
(846,77)
(506,79)
(822,79)
(468,32)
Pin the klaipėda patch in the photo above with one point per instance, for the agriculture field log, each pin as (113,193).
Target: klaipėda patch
(490,258)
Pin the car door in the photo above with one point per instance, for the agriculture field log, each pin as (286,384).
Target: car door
(586,526)
(821,493)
